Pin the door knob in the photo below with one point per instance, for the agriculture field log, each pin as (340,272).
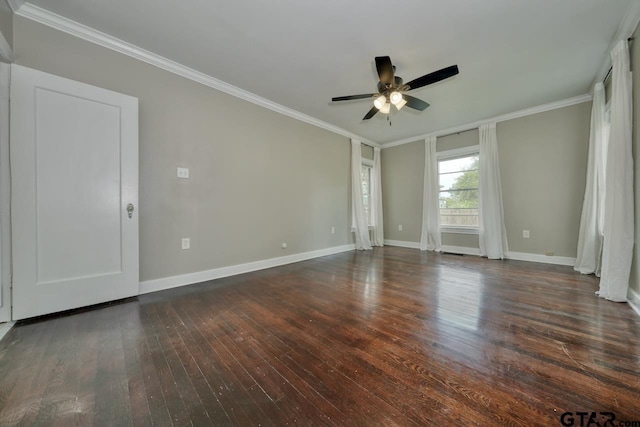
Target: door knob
(130,209)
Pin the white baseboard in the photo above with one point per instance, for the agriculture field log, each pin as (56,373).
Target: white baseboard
(217,273)
(519,256)
(557,260)
(402,244)
(634,301)
(460,250)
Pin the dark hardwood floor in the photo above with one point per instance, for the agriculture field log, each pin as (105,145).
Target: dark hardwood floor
(386,337)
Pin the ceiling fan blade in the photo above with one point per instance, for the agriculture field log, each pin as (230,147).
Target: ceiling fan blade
(432,78)
(370,114)
(385,69)
(349,97)
(415,103)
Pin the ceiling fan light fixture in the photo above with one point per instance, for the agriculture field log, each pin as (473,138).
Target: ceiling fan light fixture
(395,97)
(391,89)
(401,104)
(380,101)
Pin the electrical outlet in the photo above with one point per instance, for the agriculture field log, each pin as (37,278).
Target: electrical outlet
(333,230)
(183,173)
(525,234)
(186,243)
(284,245)
(399,227)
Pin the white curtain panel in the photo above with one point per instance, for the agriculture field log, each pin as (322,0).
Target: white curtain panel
(590,237)
(493,235)
(617,249)
(376,200)
(430,238)
(361,224)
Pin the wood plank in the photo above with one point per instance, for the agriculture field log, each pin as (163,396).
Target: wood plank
(132,343)
(112,400)
(391,336)
(246,393)
(22,401)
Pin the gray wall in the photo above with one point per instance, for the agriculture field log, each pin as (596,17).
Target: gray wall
(258,178)
(6,22)
(634,282)
(458,140)
(543,169)
(402,182)
(367,152)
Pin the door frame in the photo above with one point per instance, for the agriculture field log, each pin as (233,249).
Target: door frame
(5,186)
(6,58)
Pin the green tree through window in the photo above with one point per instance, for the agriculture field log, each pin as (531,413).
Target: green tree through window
(459,191)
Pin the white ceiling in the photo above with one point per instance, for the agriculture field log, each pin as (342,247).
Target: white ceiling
(512,54)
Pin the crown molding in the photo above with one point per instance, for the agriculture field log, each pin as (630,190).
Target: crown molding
(625,30)
(91,35)
(502,118)
(15,5)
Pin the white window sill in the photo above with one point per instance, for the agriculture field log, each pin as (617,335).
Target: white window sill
(353,229)
(460,230)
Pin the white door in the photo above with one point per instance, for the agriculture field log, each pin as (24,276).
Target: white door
(74,164)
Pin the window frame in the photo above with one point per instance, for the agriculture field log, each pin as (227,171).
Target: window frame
(452,154)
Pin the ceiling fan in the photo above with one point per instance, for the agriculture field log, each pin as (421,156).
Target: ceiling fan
(391,89)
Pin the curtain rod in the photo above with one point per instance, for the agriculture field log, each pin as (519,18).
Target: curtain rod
(458,133)
(604,81)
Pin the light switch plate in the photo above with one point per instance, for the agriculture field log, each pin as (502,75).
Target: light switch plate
(183,173)
(186,243)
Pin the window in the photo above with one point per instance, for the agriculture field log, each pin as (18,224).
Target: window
(366,173)
(458,179)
